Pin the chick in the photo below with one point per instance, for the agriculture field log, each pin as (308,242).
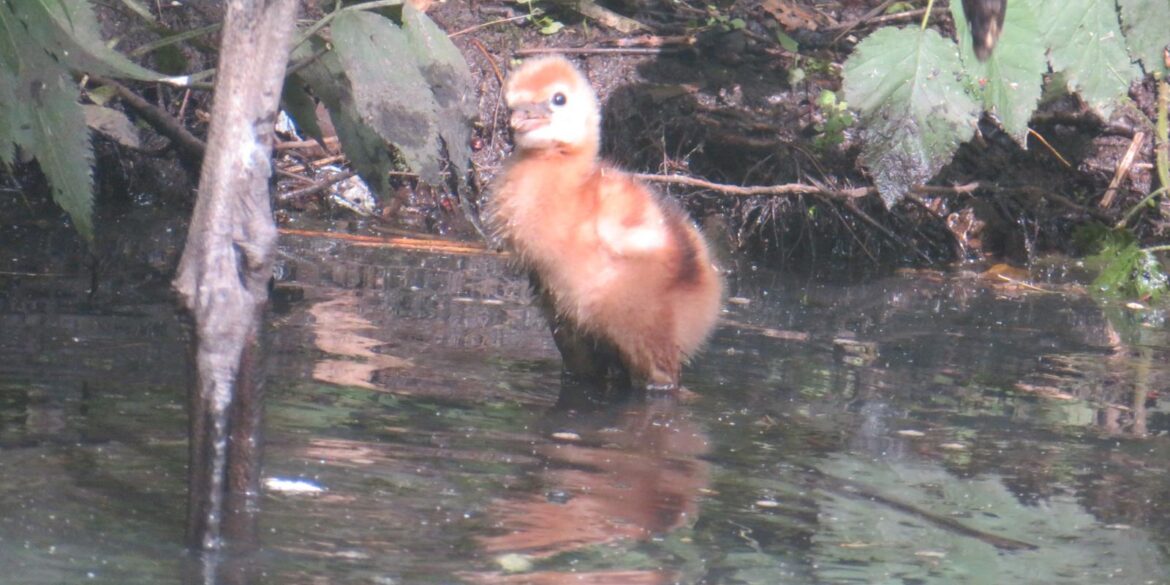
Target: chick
(610,259)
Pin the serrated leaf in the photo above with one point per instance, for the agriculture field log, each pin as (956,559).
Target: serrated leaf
(69,31)
(1147,31)
(61,147)
(41,113)
(366,151)
(1012,78)
(389,91)
(1128,270)
(1085,42)
(450,80)
(914,110)
(10,129)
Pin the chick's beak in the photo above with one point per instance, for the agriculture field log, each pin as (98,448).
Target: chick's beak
(528,117)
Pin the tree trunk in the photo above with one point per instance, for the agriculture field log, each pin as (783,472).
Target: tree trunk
(226,265)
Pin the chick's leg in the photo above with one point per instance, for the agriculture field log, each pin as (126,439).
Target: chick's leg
(589,361)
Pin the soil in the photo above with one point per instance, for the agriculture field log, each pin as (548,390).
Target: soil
(727,108)
(726,105)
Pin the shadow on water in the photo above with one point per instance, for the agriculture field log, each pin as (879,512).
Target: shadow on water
(904,430)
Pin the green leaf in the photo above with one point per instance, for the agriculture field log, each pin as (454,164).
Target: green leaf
(787,42)
(1146,24)
(69,31)
(450,80)
(549,26)
(1072,541)
(1126,270)
(389,91)
(915,112)
(364,148)
(1012,78)
(12,132)
(61,146)
(40,112)
(1085,42)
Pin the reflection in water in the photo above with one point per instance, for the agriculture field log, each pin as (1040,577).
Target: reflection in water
(351,359)
(1020,414)
(631,474)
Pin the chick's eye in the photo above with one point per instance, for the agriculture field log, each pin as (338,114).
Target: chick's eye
(559,99)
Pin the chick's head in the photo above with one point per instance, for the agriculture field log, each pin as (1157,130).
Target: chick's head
(553,106)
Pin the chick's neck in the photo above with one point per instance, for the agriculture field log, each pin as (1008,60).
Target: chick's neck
(569,161)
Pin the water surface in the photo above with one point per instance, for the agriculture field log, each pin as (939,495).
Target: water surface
(924,428)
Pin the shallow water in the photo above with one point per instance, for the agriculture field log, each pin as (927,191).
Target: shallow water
(924,428)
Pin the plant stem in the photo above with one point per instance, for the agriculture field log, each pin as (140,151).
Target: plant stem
(926,15)
(175,38)
(1136,208)
(1161,248)
(325,20)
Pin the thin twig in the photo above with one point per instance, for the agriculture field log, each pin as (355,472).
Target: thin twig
(34,274)
(654,41)
(898,16)
(1051,148)
(797,188)
(316,187)
(1066,202)
(500,78)
(1123,168)
(183,105)
(330,141)
(490,60)
(845,28)
(433,245)
(295,177)
(1136,208)
(485,25)
(597,51)
(967,189)
(859,491)
(789,189)
(316,163)
(1026,285)
(159,118)
(877,225)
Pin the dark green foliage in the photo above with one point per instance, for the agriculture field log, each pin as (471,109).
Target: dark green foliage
(914,109)
(1009,82)
(1125,268)
(1145,24)
(42,44)
(402,83)
(917,94)
(363,147)
(837,118)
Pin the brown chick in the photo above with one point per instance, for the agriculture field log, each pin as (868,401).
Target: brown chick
(614,260)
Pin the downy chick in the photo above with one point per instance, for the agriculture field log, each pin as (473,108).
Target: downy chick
(611,258)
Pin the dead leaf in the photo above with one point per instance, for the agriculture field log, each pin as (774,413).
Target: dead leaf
(793,16)
(112,123)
